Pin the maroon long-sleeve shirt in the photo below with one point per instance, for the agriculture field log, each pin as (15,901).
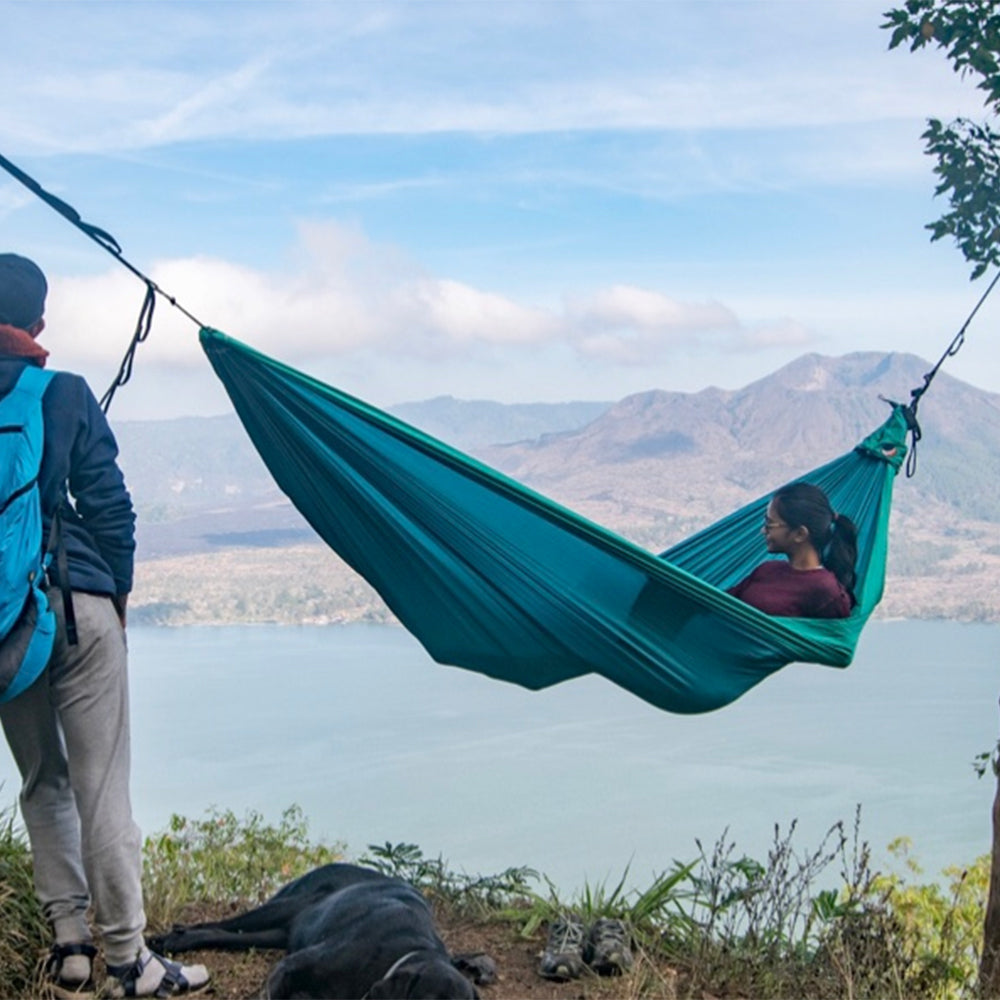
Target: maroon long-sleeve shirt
(777,588)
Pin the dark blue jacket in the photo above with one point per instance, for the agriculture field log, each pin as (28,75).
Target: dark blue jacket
(80,450)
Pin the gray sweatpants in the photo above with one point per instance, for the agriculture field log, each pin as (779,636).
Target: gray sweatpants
(69,734)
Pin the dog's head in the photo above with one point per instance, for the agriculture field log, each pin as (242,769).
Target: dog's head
(424,979)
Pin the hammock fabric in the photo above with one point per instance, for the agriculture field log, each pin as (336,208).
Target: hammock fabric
(491,576)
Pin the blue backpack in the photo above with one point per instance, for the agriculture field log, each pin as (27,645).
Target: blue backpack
(27,623)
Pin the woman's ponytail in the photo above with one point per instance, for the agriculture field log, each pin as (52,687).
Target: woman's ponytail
(840,553)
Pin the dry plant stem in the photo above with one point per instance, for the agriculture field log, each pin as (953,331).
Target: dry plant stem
(989,969)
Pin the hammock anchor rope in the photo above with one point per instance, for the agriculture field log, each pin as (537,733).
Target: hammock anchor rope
(107,242)
(910,410)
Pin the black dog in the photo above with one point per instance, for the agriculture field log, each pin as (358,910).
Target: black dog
(350,932)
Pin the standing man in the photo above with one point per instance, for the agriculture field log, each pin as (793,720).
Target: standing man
(69,731)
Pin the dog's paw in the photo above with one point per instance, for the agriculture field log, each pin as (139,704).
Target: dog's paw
(478,966)
(171,941)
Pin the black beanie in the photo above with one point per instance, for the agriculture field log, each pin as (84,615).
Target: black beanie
(22,291)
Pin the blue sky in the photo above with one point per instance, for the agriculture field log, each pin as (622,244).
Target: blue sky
(516,201)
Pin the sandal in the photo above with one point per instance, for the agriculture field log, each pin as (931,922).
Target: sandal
(69,970)
(151,975)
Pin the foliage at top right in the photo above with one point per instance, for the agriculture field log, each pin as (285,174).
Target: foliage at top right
(967,152)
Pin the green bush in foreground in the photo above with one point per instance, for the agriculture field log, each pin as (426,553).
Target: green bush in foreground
(940,927)
(225,859)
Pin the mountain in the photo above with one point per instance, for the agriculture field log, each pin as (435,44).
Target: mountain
(471,424)
(705,452)
(654,466)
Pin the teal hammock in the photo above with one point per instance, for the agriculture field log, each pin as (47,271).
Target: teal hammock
(491,576)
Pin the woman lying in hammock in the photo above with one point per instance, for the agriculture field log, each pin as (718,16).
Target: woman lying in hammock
(821,547)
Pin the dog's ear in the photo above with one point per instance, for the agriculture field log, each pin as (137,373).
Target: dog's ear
(477,966)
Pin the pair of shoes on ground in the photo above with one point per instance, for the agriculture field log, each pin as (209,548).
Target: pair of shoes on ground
(571,948)
(70,972)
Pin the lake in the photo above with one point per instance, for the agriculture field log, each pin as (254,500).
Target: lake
(376,743)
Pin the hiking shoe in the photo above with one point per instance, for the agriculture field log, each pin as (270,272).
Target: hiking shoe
(150,975)
(607,951)
(69,970)
(563,955)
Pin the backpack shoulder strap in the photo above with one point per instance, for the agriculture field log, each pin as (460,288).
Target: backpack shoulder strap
(34,380)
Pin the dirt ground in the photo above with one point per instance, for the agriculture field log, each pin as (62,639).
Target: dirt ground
(237,976)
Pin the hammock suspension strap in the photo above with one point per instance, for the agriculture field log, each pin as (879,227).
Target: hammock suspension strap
(910,409)
(107,242)
(142,329)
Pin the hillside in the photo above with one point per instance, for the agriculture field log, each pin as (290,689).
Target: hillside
(218,542)
(747,441)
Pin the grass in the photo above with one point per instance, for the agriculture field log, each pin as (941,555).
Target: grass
(817,923)
(23,931)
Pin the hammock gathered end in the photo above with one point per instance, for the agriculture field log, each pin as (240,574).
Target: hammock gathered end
(493,577)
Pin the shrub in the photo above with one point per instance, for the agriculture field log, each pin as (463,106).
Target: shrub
(940,927)
(480,895)
(766,929)
(225,859)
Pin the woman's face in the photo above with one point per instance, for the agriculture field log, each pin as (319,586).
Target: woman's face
(777,533)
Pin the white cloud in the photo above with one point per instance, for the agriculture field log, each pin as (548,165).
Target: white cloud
(626,325)
(457,314)
(208,101)
(343,294)
(628,306)
(777,333)
(141,109)
(340,293)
